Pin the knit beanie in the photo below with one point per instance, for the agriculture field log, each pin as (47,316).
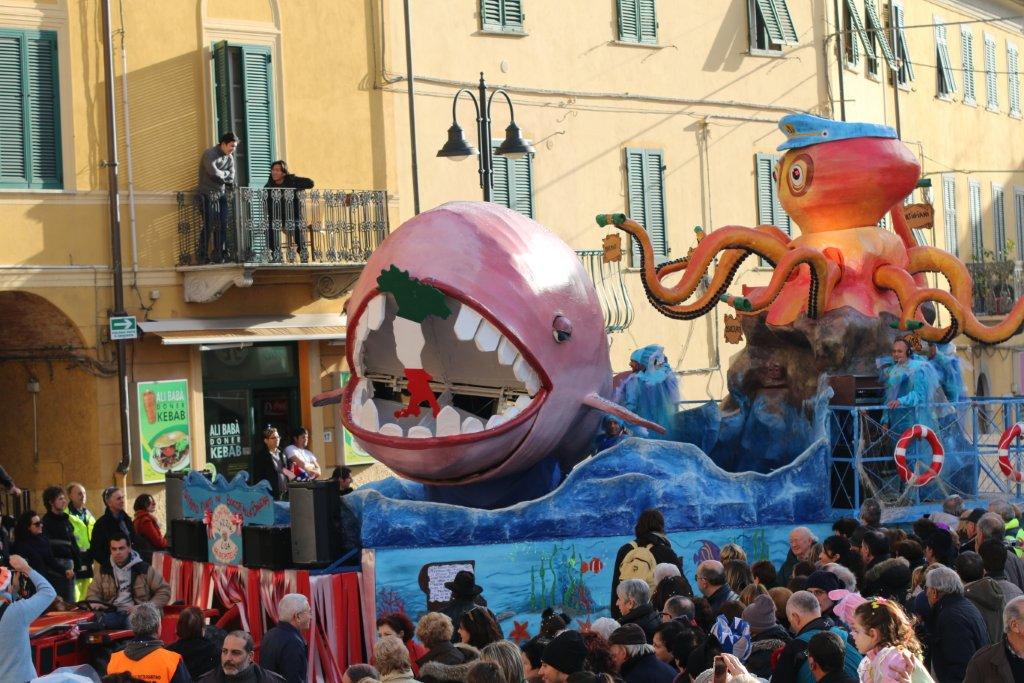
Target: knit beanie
(566,652)
(824,580)
(760,614)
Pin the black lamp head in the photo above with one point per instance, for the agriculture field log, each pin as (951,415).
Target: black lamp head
(514,146)
(457,148)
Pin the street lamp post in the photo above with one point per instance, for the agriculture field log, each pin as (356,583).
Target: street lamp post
(458,148)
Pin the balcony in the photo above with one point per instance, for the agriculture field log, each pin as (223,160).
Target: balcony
(997,286)
(327,235)
(611,289)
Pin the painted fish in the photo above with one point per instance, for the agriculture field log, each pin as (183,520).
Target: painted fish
(595,565)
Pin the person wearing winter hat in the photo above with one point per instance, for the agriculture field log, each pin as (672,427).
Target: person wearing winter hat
(767,635)
(635,657)
(819,584)
(564,655)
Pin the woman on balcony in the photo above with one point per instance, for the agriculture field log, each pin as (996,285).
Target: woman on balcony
(282,179)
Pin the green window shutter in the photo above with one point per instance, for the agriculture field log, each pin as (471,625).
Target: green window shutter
(858,26)
(990,73)
(13,128)
(30,154)
(490,14)
(967,60)
(259,113)
(769,209)
(646,199)
(949,214)
(629,24)
(1018,202)
(1013,68)
(974,216)
(778,21)
(906,72)
(878,31)
(222,88)
(500,193)
(501,15)
(512,14)
(946,84)
(648,21)
(999,221)
(512,182)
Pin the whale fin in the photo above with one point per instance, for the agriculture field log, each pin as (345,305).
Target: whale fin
(613,408)
(327,398)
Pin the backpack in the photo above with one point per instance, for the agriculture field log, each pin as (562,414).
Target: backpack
(850,662)
(639,563)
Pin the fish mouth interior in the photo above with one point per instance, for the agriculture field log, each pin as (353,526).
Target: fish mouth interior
(483,381)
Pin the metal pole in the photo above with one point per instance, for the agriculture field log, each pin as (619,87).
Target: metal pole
(115,236)
(484,120)
(840,56)
(412,110)
(896,75)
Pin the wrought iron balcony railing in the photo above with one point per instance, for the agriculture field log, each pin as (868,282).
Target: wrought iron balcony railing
(253,226)
(997,285)
(611,290)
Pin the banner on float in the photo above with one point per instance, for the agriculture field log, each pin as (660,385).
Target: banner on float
(225,507)
(164,432)
(354,453)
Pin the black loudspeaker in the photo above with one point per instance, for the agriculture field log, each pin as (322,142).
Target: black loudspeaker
(174,489)
(188,540)
(316,511)
(267,547)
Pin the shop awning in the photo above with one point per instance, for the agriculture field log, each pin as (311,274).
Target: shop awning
(308,327)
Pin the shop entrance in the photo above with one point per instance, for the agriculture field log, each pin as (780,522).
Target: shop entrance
(246,389)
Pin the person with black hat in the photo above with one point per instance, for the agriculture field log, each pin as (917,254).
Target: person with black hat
(465,596)
(563,656)
(819,583)
(635,657)
(766,635)
(969,528)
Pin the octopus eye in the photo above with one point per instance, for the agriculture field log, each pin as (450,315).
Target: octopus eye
(561,329)
(799,176)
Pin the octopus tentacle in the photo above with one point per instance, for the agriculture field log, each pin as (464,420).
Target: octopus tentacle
(824,275)
(707,301)
(911,295)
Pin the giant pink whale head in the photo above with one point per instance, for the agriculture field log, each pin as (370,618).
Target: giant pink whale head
(519,361)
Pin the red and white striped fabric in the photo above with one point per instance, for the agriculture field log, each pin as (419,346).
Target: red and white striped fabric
(919,431)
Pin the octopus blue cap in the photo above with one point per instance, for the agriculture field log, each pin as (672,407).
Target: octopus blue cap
(803,130)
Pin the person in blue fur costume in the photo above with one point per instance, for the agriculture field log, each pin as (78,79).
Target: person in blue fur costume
(612,432)
(651,390)
(950,370)
(911,388)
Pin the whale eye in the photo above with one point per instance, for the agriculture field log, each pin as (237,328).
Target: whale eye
(561,329)
(799,174)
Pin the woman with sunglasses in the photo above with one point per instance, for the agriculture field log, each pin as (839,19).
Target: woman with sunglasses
(30,543)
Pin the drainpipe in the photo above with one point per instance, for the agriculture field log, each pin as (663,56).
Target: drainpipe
(128,150)
(840,56)
(896,74)
(412,110)
(115,236)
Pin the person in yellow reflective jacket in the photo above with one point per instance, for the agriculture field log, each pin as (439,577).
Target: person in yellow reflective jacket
(82,522)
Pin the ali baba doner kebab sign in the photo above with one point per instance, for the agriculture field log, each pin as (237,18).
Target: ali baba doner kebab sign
(164,434)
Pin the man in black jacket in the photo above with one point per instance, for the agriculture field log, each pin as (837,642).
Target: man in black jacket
(113,520)
(711,583)
(284,650)
(236,663)
(634,603)
(956,629)
(57,528)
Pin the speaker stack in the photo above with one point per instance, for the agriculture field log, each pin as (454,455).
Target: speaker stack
(316,522)
(267,547)
(174,489)
(188,540)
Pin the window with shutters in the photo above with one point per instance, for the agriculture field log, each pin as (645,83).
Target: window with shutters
(1018,205)
(905,73)
(243,91)
(974,216)
(945,85)
(851,48)
(769,210)
(512,181)
(30,153)
(967,62)
(1013,71)
(879,40)
(999,223)
(991,83)
(949,214)
(504,16)
(771,26)
(638,22)
(645,192)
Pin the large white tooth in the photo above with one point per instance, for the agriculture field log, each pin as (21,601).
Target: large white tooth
(391,429)
(496,421)
(472,424)
(466,323)
(523,402)
(487,337)
(375,310)
(532,382)
(418,432)
(521,369)
(448,421)
(409,342)
(511,413)
(367,417)
(507,352)
(360,395)
(362,329)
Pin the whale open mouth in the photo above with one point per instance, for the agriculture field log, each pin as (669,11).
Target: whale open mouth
(483,382)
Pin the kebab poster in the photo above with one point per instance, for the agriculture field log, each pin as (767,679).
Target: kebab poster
(163,428)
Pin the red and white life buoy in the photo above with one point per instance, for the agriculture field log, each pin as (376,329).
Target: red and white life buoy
(900,456)
(1005,440)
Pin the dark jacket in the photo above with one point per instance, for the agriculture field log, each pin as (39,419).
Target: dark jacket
(136,650)
(956,631)
(284,651)
(1014,569)
(456,607)
(57,528)
(888,578)
(200,655)
(436,671)
(793,659)
(762,647)
(291,182)
(987,596)
(644,616)
(647,669)
(260,675)
(445,653)
(37,552)
(723,595)
(267,467)
(651,544)
(786,570)
(991,664)
(106,526)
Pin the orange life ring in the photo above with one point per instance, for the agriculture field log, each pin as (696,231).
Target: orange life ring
(900,455)
(1004,451)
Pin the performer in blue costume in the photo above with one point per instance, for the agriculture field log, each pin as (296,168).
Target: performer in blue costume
(911,388)
(949,367)
(651,390)
(612,432)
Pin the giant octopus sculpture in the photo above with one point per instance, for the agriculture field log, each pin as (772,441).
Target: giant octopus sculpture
(836,180)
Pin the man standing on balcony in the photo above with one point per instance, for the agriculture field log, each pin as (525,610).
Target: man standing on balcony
(216,175)
(278,219)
